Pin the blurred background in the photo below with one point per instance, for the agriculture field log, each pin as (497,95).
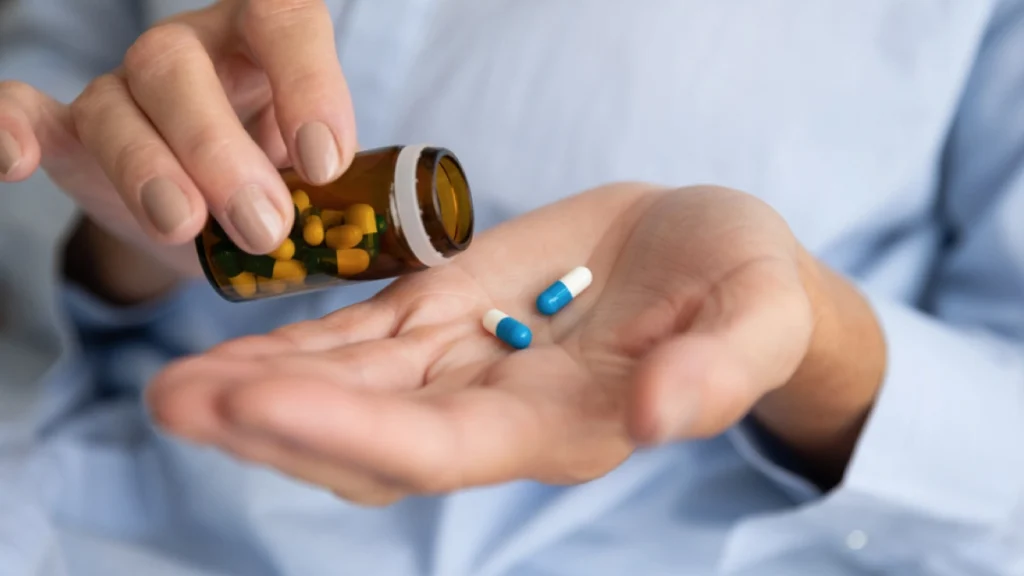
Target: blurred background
(31,217)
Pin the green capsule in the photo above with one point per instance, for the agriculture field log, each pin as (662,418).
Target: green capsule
(311,211)
(318,259)
(371,243)
(227,258)
(259,265)
(382,223)
(296,233)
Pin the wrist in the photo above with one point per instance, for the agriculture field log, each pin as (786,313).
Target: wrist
(820,412)
(113,269)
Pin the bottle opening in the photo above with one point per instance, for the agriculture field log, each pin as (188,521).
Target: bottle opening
(445,200)
(453,200)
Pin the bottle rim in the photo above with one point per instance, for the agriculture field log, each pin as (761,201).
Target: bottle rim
(414,196)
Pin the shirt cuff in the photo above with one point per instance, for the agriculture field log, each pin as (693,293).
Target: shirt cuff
(88,312)
(938,459)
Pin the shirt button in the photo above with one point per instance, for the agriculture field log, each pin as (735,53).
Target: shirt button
(856,540)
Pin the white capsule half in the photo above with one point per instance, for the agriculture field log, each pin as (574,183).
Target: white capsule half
(491,320)
(577,280)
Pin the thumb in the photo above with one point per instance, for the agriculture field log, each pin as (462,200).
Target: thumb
(33,128)
(751,334)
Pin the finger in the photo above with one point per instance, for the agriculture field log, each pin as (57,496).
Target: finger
(363,322)
(389,364)
(748,339)
(147,175)
(188,397)
(30,122)
(371,320)
(265,130)
(185,405)
(345,482)
(183,399)
(294,42)
(431,445)
(519,425)
(171,77)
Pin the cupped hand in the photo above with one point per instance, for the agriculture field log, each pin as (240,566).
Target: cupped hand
(697,309)
(205,109)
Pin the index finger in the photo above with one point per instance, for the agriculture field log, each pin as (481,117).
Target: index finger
(430,443)
(293,41)
(517,425)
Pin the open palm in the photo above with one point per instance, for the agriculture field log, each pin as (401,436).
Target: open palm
(696,311)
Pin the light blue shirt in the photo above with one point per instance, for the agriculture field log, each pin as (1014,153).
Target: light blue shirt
(889,133)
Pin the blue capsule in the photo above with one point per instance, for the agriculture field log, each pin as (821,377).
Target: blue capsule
(507,329)
(556,297)
(565,290)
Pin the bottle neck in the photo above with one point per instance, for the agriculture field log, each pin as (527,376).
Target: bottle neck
(435,226)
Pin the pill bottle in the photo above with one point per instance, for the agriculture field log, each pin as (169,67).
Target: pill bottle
(396,210)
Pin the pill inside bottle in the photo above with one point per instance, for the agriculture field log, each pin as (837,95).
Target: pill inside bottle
(395,211)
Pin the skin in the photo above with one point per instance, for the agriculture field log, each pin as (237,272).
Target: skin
(704,307)
(212,101)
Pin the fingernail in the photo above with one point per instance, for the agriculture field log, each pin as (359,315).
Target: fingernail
(10,153)
(165,205)
(255,218)
(318,152)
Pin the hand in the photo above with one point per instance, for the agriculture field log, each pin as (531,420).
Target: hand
(698,309)
(204,110)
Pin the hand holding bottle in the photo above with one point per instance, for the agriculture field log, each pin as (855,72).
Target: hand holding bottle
(203,112)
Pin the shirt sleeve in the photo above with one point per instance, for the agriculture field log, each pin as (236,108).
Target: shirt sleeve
(937,477)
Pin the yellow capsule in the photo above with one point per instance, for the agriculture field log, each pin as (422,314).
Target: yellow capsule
(352,261)
(362,215)
(332,218)
(313,231)
(271,286)
(342,237)
(301,200)
(244,284)
(291,270)
(285,251)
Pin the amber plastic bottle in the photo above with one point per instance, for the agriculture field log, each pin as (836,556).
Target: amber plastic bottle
(394,211)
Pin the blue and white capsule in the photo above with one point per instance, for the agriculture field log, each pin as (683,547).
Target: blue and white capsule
(507,329)
(559,294)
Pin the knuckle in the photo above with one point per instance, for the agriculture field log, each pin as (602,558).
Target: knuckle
(295,336)
(92,104)
(261,16)
(158,47)
(244,346)
(272,10)
(18,91)
(253,408)
(309,83)
(135,160)
(96,95)
(170,409)
(208,143)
